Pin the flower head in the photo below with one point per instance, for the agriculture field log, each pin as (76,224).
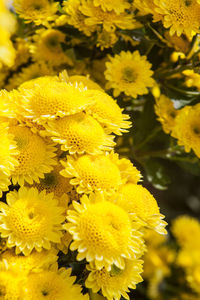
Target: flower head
(129,73)
(36,156)
(181,16)
(102,232)
(31,220)
(116,282)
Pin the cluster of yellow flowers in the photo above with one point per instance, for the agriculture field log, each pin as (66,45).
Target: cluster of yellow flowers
(72,189)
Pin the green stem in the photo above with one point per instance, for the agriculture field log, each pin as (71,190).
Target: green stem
(190,93)
(148,138)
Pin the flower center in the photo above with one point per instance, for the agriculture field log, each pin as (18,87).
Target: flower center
(49,180)
(129,75)
(115,270)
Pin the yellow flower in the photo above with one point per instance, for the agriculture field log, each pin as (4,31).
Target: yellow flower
(107,112)
(37,11)
(51,99)
(76,18)
(187,128)
(118,6)
(102,232)
(192,79)
(8,155)
(129,73)
(30,220)
(52,284)
(166,113)
(115,283)
(34,261)
(106,39)
(7,51)
(181,16)
(110,20)
(36,156)
(92,173)
(147,7)
(187,231)
(80,133)
(47,47)
(136,199)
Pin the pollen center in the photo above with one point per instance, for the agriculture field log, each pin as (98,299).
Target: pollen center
(129,75)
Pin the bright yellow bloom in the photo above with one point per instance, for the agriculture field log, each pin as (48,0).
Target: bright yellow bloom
(52,284)
(36,155)
(166,113)
(31,220)
(80,133)
(147,7)
(187,128)
(49,100)
(47,47)
(34,261)
(136,199)
(129,73)
(118,6)
(106,39)
(107,112)
(37,11)
(102,232)
(181,16)
(8,154)
(7,51)
(76,18)
(110,20)
(187,231)
(115,283)
(92,173)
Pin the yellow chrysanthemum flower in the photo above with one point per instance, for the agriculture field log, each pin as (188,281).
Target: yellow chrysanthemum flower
(187,128)
(147,7)
(192,78)
(53,99)
(106,39)
(182,16)
(37,11)
(118,6)
(76,18)
(110,20)
(12,281)
(107,112)
(65,242)
(129,73)
(33,262)
(80,133)
(8,157)
(102,232)
(136,199)
(166,113)
(52,284)
(117,282)
(92,173)
(31,220)
(193,278)
(36,155)
(47,47)
(7,51)
(187,231)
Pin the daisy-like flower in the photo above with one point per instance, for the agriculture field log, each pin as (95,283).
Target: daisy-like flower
(166,113)
(37,11)
(8,157)
(102,232)
(76,18)
(31,220)
(80,133)
(110,20)
(53,99)
(187,128)
(181,16)
(107,112)
(147,7)
(53,284)
(136,199)
(106,39)
(118,6)
(92,173)
(35,156)
(187,231)
(47,47)
(116,282)
(129,73)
